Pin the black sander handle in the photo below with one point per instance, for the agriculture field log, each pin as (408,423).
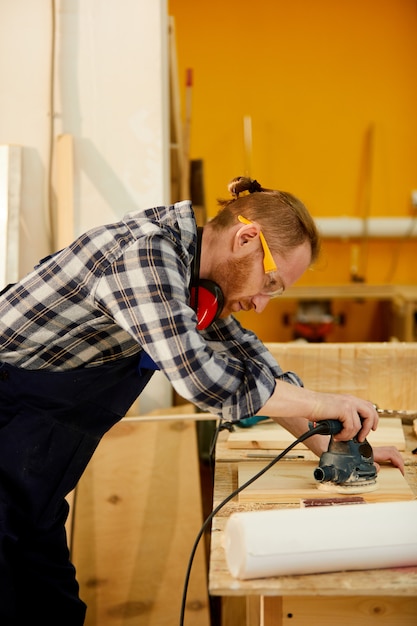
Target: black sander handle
(327,427)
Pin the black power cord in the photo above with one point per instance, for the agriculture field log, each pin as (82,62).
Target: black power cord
(326,427)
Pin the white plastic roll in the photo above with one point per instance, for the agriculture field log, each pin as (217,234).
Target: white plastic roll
(310,540)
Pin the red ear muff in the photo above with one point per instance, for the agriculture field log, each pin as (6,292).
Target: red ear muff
(210,302)
(206,296)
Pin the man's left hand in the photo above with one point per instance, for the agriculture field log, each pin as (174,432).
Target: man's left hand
(388,454)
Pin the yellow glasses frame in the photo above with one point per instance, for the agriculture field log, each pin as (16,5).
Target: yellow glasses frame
(269,263)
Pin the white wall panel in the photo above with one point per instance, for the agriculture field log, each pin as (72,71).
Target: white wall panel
(110,91)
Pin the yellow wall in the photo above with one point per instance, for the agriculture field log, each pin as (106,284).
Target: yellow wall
(331,90)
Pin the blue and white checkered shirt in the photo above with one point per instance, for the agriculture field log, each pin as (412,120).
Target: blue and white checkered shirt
(122,288)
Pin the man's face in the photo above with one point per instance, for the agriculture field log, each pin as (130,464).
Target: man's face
(245,284)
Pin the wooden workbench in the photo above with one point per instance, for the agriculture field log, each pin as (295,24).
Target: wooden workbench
(385,373)
(370,597)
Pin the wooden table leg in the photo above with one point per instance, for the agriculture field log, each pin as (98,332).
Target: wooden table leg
(272,611)
(253,610)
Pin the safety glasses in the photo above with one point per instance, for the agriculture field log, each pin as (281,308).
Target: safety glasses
(274,285)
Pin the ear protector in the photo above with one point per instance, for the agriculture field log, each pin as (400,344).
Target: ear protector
(207,298)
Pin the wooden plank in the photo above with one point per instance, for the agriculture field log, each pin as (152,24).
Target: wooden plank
(10,200)
(343,611)
(64,230)
(347,291)
(179,174)
(160,416)
(233,611)
(185,191)
(370,610)
(273,611)
(384,373)
(293,482)
(266,435)
(272,436)
(137,516)
(70,519)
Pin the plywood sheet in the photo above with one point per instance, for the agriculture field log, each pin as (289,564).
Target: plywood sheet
(291,482)
(138,512)
(269,435)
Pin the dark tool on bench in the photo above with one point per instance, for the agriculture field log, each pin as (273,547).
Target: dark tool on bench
(347,466)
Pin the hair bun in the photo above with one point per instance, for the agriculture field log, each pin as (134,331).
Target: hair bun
(243,183)
(254,186)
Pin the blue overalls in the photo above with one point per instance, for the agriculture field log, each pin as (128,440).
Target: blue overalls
(50,425)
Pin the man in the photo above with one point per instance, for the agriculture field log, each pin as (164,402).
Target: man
(81,335)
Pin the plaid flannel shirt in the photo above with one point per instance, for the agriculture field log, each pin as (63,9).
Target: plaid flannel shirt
(122,288)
